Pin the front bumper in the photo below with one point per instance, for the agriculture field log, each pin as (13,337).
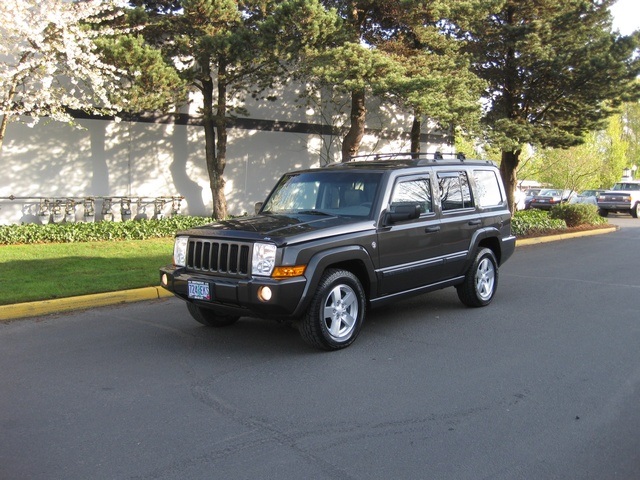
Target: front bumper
(238,296)
(615,206)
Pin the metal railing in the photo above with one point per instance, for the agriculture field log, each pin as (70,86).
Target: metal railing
(64,209)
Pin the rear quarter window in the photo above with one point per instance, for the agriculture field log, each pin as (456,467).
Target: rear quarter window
(489,193)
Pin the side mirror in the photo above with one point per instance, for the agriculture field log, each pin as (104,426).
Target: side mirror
(402,213)
(257,207)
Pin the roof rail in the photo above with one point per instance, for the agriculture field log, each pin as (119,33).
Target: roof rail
(417,156)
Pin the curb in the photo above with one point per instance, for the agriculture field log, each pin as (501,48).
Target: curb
(47,307)
(564,236)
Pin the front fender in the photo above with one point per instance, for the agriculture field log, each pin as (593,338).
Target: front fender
(338,257)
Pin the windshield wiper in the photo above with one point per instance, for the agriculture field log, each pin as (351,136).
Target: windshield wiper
(313,212)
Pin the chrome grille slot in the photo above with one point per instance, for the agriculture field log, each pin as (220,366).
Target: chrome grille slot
(226,258)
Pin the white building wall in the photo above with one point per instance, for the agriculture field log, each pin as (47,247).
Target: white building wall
(105,158)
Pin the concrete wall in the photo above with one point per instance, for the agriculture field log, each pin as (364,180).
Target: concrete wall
(164,156)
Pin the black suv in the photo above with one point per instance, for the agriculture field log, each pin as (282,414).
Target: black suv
(328,243)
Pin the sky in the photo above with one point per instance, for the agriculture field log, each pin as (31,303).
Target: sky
(626,16)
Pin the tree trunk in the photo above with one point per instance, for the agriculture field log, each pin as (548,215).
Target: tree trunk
(351,142)
(3,129)
(212,122)
(7,103)
(208,121)
(508,171)
(415,134)
(219,199)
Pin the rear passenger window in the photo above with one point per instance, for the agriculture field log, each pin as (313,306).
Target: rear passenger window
(455,192)
(488,186)
(413,192)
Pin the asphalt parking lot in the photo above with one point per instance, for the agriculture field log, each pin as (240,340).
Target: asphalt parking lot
(543,383)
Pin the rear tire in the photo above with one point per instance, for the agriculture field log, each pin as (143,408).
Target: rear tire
(480,281)
(209,317)
(336,313)
(603,212)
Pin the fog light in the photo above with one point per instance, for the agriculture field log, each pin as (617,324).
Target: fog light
(164,279)
(264,294)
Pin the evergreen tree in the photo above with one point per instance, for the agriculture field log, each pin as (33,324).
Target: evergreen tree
(555,70)
(147,82)
(437,83)
(229,49)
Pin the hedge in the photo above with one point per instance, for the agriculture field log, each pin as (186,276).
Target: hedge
(98,231)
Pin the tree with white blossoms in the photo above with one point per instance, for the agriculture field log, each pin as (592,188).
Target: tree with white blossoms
(49,63)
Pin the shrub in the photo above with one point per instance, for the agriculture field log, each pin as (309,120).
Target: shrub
(534,222)
(577,214)
(99,231)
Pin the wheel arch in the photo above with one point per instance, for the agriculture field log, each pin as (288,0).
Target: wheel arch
(354,259)
(487,238)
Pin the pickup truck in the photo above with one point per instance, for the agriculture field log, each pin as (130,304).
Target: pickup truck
(624,197)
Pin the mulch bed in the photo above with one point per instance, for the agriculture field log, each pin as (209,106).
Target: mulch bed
(579,228)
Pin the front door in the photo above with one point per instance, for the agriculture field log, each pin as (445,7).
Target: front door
(410,250)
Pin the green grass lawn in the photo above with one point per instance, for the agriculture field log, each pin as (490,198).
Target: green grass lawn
(46,271)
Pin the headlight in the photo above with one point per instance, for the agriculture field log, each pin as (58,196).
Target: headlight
(180,251)
(264,258)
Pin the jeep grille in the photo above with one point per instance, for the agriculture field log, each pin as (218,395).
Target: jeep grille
(226,258)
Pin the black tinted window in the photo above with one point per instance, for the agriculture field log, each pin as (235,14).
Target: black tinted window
(455,192)
(413,192)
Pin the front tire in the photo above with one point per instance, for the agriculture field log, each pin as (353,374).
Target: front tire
(209,317)
(635,210)
(336,313)
(480,281)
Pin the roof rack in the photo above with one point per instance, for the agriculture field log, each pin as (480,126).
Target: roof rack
(417,156)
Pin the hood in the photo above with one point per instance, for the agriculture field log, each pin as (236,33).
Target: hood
(281,229)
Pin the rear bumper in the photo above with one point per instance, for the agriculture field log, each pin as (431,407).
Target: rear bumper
(238,296)
(507,248)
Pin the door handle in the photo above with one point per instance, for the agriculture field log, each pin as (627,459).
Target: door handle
(475,222)
(434,229)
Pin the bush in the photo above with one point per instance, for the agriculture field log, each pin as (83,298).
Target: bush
(534,222)
(577,214)
(99,231)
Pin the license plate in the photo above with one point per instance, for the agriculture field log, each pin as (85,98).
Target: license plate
(199,290)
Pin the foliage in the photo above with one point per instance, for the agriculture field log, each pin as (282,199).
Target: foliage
(534,222)
(577,214)
(228,50)
(537,222)
(49,62)
(631,132)
(99,231)
(147,81)
(575,168)
(554,70)
(616,149)
(400,52)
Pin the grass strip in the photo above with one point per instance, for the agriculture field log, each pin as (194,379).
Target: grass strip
(47,271)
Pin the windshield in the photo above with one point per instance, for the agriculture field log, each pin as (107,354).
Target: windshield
(549,193)
(626,186)
(326,192)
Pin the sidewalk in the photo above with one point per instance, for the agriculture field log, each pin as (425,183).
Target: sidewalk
(59,305)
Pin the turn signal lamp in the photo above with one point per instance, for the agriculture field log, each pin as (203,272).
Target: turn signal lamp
(288,272)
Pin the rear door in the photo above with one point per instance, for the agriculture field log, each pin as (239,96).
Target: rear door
(459,219)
